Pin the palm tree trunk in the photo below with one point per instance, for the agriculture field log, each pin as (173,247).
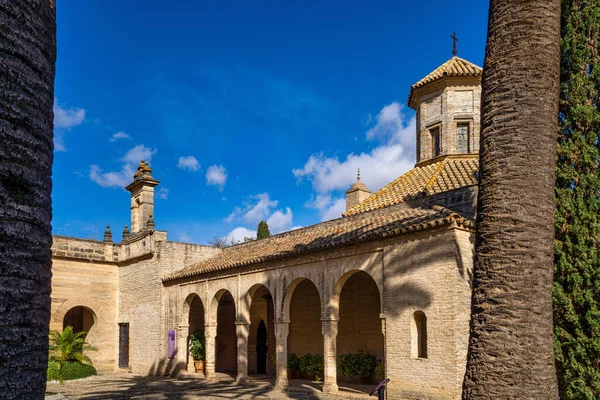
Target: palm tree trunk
(27,57)
(510,348)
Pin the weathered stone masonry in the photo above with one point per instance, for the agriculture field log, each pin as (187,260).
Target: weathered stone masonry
(391,278)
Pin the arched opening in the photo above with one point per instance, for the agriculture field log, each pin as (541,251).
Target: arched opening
(261,348)
(261,338)
(226,341)
(305,334)
(80,318)
(359,326)
(195,322)
(419,335)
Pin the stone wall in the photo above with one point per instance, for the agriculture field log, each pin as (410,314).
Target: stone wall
(444,105)
(143,261)
(84,275)
(428,271)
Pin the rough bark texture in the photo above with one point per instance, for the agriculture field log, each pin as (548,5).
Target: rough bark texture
(510,348)
(27,57)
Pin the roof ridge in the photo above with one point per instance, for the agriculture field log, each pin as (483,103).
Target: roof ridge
(374,225)
(435,176)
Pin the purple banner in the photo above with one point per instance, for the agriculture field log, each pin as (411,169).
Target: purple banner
(172,347)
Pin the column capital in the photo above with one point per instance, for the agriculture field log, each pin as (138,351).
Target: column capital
(241,323)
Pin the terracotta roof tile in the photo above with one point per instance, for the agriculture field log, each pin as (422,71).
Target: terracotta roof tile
(393,221)
(455,66)
(431,177)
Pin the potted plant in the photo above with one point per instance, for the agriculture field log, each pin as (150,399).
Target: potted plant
(358,365)
(313,366)
(293,366)
(197,349)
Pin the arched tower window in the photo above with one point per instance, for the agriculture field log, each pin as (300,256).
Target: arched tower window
(419,335)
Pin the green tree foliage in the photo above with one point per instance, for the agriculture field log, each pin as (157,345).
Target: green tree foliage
(197,346)
(576,292)
(69,346)
(263,230)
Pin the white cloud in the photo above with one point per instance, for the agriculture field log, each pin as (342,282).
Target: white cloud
(67,118)
(259,211)
(239,233)
(64,120)
(184,237)
(189,163)
(260,207)
(280,221)
(123,177)
(138,153)
(110,179)
(216,175)
(394,155)
(328,206)
(119,135)
(163,193)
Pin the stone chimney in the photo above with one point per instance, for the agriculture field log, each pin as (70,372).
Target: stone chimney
(142,197)
(357,193)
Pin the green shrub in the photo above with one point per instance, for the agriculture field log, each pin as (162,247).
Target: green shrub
(358,365)
(293,362)
(313,365)
(69,370)
(380,371)
(197,347)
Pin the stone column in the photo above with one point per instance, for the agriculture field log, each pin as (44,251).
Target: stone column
(282,329)
(383,330)
(210,333)
(182,348)
(242,331)
(330,331)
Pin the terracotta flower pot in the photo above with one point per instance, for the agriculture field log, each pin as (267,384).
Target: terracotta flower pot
(292,374)
(199,365)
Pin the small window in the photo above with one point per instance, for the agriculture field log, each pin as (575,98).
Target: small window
(435,142)
(462,136)
(419,335)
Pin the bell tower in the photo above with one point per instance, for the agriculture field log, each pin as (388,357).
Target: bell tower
(447,102)
(142,198)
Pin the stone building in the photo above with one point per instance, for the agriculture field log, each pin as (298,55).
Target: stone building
(391,277)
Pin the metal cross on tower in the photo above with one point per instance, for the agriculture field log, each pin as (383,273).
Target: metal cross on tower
(454,52)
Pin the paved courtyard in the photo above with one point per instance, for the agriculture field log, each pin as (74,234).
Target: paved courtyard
(129,386)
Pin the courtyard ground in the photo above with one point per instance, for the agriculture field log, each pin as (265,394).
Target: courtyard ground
(129,386)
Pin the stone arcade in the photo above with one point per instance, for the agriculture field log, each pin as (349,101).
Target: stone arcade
(390,277)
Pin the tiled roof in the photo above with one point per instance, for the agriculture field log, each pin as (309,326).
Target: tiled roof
(341,232)
(434,176)
(453,67)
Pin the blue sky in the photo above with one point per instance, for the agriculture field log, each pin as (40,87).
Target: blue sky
(246,110)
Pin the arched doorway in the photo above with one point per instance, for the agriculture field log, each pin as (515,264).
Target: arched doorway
(80,318)
(261,348)
(359,326)
(226,341)
(261,338)
(305,334)
(195,322)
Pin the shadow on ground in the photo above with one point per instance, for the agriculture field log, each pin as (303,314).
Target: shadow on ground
(129,386)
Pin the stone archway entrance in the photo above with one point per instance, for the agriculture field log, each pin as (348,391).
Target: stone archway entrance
(261,348)
(359,326)
(80,318)
(261,337)
(195,322)
(226,340)
(305,333)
